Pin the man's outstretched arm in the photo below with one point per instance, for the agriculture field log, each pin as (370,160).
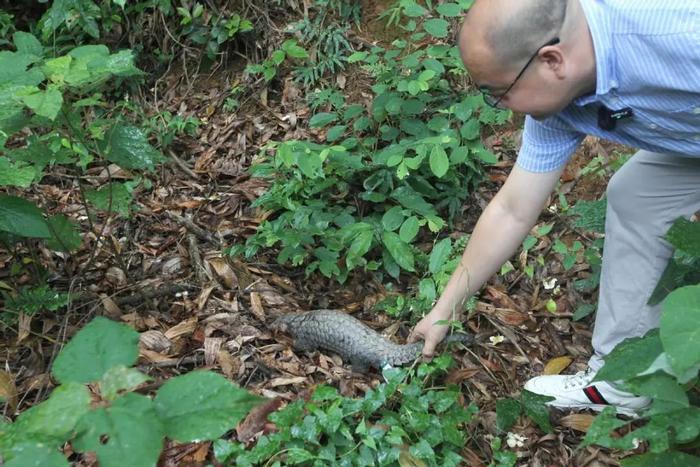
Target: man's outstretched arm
(499,232)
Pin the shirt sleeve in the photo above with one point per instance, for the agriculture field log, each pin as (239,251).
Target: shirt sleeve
(547,144)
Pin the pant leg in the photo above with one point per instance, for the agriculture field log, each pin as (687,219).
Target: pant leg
(645,197)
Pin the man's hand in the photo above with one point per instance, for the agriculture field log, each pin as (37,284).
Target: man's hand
(430,332)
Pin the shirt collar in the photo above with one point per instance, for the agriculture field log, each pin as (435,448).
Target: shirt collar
(606,76)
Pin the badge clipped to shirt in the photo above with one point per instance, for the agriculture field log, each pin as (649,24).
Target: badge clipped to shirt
(608,118)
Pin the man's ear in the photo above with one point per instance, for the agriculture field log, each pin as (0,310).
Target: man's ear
(553,58)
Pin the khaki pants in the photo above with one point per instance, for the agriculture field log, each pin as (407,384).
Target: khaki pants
(645,197)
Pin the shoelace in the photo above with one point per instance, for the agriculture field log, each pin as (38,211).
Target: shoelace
(582,378)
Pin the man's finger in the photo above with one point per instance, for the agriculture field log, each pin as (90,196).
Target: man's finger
(428,351)
(414,336)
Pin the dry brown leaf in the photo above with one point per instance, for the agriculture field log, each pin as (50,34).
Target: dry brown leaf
(229,365)
(8,391)
(24,325)
(112,310)
(578,421)
(511,317)
(274,382)
(154,357)
(256,306)
(203,297)
(224,272)
(186,327)
(212,345)
(462,374)
(557,365)
(200,455)
(406,459)
(155,340)
(256,420)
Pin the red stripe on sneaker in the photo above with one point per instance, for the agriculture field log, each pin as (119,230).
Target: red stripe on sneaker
(594,395)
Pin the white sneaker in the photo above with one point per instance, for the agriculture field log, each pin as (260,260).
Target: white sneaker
(577,392)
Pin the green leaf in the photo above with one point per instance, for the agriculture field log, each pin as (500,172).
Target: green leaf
(440,254)
(439,162)
(64,407)
(128,147)
(36,455)
(95,349)
(660,387)
(113,197)
(120,378)
(16,173)
(436,27)
(45,103)
(412,200)
(27,44)
(631,357)
(535,408)
(584,310)
(21,217)
(392,219)
(680,327)
(590,215)
(292,49)
(64,235)
(601,429)
(357,57)
(358,248)
(685,236)
(507,413)
(322,119)
(128,429)
(664,459)
(299,456)
(427,290)
(412,9)
(450,10)
(409,229)
(335,133)
(399,250)
(202,406)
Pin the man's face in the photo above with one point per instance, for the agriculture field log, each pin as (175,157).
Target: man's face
(538,92)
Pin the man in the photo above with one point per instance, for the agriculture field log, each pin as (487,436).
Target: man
(624,70)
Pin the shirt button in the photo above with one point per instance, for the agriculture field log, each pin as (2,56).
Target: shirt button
(653,126)
(696,138)
(696,110)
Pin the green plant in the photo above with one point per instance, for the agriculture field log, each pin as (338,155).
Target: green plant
(664,366)
(386,172)
(268,68)
(111,419)
(31,300)
(399,421)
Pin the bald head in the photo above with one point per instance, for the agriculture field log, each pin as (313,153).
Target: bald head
(508,32)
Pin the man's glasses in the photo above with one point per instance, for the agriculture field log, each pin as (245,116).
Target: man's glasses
(492,100)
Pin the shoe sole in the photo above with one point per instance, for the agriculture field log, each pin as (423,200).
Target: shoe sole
(598,408)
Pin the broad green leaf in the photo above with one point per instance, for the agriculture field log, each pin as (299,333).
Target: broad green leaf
(101,345)
(660,387)
(439,162)
(412,200)
(602,428)
(685,236)
(451,10)
(440,254)
(436,27)
(409,229)
(21,217)
(13,70)
(507,413)
(427,290)
(680,327)
(27,44)
(359,247)
(128,429)
(335,133)
(535,408)
(128,147)
(202,405)
(299,456)
(113,197)
(45,103)
(582,311)
(57,69)
(64,407)
(64,234)
(357,57)
(322,119)
(393,218)
(34,454)
(19,174)
(631,357)
(399,250)
(120,378)
(412,9)
(681,270)
(292,49)
(662,459)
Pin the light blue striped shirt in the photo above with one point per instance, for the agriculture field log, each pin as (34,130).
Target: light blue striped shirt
(648,59)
